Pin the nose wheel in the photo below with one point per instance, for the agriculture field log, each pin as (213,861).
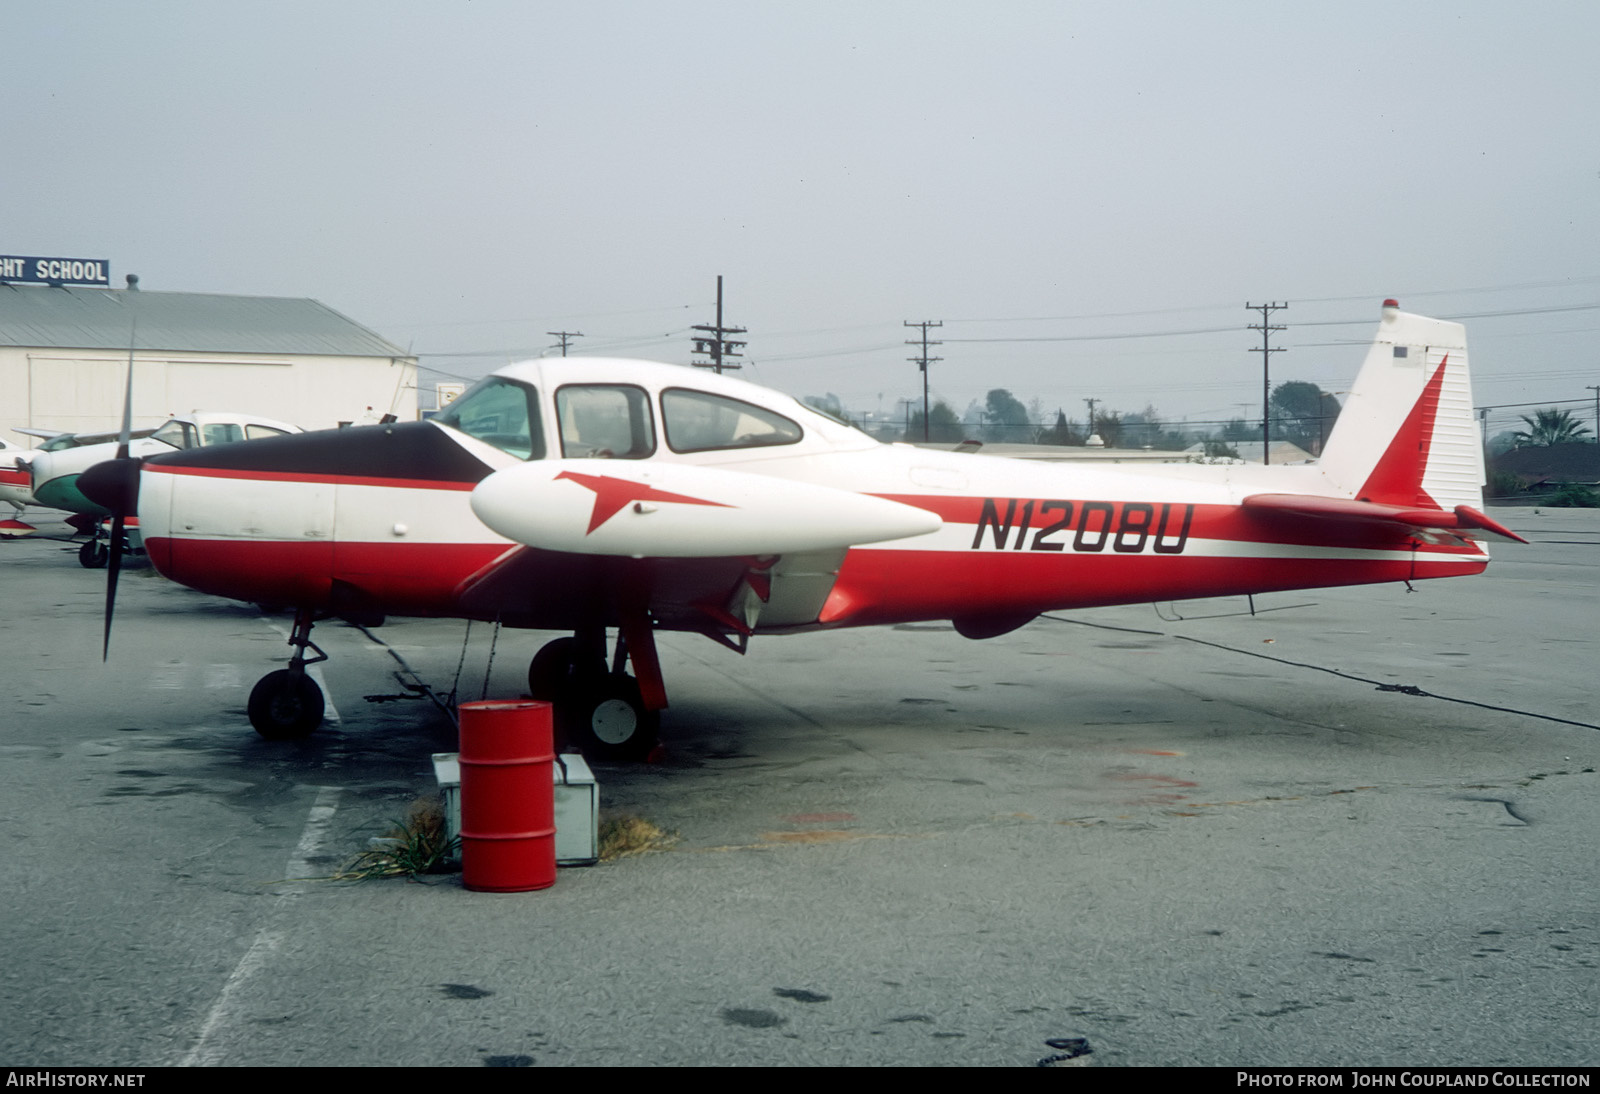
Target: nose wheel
(287,704)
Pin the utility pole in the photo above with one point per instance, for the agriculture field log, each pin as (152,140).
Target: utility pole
(1596,389)
(1091,403)
(923,362)
(566,337)
(714,344)
(1266,351)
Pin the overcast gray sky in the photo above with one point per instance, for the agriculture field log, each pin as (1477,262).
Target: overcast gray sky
(463,177)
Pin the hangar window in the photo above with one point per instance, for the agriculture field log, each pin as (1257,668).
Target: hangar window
(605,421)
(697,421)
(500,412)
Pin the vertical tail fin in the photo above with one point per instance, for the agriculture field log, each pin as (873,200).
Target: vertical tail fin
(1406,434)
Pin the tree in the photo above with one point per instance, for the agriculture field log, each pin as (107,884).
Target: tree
(1303,414)
(1547,428)
(1109,428)
(1005,418)
(1064,431)
(943,425)
(1240,430)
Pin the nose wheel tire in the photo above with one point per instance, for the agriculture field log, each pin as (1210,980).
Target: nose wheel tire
(94,555)
(285,705)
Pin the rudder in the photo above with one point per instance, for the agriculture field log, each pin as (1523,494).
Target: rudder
(1406,435)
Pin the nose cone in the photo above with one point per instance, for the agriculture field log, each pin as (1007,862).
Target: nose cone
(113,484)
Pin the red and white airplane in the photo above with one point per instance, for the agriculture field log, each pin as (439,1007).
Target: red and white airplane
(584,494)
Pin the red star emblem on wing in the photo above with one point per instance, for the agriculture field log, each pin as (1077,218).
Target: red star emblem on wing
(610,495)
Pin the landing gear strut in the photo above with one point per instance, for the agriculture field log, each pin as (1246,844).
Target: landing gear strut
(95,552)
(288,704)
(601,711)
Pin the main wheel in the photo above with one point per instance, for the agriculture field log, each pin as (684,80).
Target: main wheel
(611,720)
(94,555)
(285,705)
(553,671)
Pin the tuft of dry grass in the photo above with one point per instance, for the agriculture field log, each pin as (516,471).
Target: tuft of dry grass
(624,834)
(416,845)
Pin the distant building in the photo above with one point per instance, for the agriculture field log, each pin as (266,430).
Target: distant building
(1250,452)
(1552,465)
(64,359)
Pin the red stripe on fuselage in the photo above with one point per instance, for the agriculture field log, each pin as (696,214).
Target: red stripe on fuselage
(400,578)
(302,476)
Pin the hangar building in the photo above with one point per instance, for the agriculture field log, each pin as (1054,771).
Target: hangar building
(64,359)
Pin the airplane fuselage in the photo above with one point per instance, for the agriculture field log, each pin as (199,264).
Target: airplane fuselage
(382,516)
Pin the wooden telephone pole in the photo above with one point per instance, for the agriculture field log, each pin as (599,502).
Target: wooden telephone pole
(1266,351)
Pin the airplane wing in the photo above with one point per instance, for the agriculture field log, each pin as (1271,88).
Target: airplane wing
(1463,520)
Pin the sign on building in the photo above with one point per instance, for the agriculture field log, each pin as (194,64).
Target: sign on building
(54,271)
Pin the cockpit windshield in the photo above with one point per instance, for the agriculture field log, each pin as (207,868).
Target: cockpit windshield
(500,412)
(178,434)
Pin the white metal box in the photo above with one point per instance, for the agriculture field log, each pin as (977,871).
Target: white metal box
(577,806)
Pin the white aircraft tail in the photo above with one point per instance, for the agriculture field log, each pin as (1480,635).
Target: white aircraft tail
(1406,435)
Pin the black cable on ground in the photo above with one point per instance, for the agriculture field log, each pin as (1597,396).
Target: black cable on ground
(1404,689)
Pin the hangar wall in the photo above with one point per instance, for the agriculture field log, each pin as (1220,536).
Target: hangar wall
(64,360)
(81,391)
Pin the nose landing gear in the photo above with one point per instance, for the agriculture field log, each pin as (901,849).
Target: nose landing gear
(288,704)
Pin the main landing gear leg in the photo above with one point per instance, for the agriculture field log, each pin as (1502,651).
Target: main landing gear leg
(288,704)
(602,710)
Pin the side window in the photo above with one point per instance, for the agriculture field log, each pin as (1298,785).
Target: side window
(605,421)
(697,421)
(221,433)
(500,412)
(255,431)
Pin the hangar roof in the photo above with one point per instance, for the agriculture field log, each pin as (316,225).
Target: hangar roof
(92,318)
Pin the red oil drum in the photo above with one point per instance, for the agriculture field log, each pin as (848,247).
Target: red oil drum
(508,804)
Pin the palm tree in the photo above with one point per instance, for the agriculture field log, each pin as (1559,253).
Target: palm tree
(1549,427)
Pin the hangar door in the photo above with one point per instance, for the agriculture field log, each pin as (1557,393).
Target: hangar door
(84,394)
(80,394)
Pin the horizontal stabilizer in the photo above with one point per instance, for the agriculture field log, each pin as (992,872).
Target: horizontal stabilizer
(1462,520)
(664,510)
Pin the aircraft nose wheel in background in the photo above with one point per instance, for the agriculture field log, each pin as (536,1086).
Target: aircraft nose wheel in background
(600,712)
(94,555)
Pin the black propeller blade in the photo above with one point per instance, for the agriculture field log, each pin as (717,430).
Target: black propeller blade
(125,491)
(113,484)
